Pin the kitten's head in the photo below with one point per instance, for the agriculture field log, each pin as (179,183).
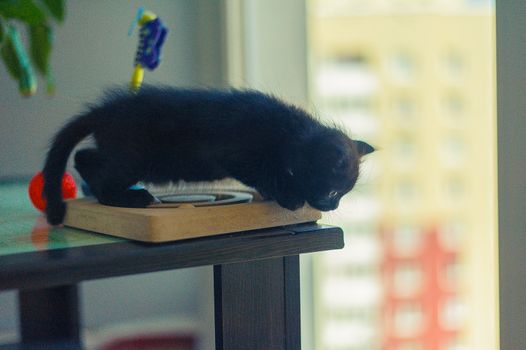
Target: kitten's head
(327,167)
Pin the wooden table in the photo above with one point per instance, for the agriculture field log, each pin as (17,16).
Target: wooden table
(256,276)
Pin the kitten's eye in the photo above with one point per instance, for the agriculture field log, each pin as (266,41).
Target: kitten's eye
(340,165)
(333,194)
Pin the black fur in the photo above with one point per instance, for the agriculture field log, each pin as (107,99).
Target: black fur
(164,134)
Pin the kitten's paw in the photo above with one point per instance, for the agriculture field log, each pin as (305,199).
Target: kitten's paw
(129,199)
(55,213)
(139,198)
(265,195)
(291,203)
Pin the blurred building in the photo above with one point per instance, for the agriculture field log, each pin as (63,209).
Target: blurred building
(416,79)
(422,304)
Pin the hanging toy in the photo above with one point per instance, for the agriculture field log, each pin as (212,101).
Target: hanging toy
(152,33)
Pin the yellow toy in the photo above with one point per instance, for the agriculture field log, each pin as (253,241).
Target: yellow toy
(152,33)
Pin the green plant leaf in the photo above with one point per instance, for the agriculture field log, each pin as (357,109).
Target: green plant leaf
(8,53)
(2,32)
(56,8)
(24,10)
(41,40)
(17,62)
(27,84)
(50,83)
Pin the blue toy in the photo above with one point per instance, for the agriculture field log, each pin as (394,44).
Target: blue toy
(152,34)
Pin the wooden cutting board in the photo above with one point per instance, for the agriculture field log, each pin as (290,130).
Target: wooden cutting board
(185,221)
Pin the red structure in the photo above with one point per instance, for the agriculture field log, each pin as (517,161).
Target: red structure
(421,292)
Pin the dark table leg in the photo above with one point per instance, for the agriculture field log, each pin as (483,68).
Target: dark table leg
(257,305)
(49,315)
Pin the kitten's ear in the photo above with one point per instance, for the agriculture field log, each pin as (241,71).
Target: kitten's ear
(363,147)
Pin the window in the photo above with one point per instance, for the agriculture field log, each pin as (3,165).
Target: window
(408,319)
(414,78)
(407,279)
(402,68)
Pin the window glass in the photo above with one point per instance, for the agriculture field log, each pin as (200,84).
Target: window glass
(415,79)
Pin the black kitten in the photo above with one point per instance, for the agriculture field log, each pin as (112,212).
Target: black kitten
(167,134)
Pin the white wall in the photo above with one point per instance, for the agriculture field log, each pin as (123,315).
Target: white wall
(92,51)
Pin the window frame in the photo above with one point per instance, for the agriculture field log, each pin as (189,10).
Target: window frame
(251,51)
(511,143)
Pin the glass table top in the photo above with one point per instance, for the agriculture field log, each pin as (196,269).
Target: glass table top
(24,229)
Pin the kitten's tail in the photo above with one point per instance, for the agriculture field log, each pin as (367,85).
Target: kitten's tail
(55,166)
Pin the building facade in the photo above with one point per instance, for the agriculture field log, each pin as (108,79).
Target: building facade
(415,79)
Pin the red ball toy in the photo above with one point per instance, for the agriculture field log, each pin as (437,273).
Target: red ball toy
(36,185)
